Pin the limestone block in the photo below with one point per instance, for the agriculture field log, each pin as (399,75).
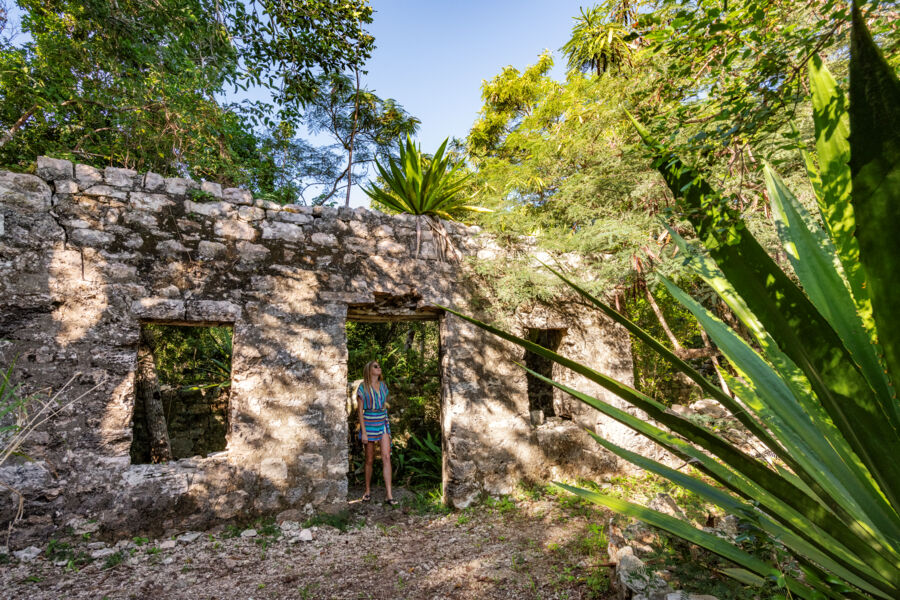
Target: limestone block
(383,231)
(274,469)
(2,225)
(105,191)
(142,218)
(65,186)
(158,308)
(289,216)
(359,245)
(324,239)
(171,248)
(213,189)
(219,210)
(267,205)
(282,231)
(325,212)
(151,202)
(123,178)
(252,253)
(390,247)
(154,181)
(213,311)
(179,185)
(91,237)
(87,175)
(54,168)
(359,228)
(237,196)
(24,191)
(251,213)
(210,249)
(235,230)
(310,464)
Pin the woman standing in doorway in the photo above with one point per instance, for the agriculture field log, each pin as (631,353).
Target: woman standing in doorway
(374,427)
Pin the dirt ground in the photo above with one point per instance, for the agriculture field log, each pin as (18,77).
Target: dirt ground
(526,546)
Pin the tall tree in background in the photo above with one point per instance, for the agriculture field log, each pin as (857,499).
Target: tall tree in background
(364,126)
(136,82)
(600,37)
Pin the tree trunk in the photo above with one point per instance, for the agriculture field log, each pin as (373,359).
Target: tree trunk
(8,135)
(715,362)
(662,320)
(148,391)
(352,137)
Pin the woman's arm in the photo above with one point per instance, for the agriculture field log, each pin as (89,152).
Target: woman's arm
(362,424)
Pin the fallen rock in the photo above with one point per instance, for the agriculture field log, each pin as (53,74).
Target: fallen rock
(189,537)
(292,514)
(102,553)
(248,533)
(306,535)
(168,545)
(665,504)
(634,576)
(710,408)
(27,554)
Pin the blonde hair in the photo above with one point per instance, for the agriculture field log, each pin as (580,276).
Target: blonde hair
(367,376)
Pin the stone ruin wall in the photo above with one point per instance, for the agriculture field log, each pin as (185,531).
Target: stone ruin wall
(86,256)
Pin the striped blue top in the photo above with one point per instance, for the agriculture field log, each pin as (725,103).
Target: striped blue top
(375,418)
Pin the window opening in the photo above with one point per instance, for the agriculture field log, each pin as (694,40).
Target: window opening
(182,390)
(540,393)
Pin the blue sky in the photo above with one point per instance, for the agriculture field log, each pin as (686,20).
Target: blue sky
(432,55)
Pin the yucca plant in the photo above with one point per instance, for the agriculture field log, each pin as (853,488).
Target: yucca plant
(813,385)
(425,187)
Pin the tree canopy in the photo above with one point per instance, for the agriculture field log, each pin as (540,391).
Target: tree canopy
(142,84)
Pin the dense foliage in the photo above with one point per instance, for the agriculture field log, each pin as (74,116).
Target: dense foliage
(560,162)
(812,384)
(140,84)
(191,357)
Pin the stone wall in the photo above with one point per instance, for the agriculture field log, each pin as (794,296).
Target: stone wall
(87,255)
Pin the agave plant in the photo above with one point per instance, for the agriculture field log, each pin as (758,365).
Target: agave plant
(813,385)
(422,187)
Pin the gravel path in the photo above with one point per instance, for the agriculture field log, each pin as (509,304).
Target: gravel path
(524,548)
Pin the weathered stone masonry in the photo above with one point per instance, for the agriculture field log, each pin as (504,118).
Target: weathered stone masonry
(87,255)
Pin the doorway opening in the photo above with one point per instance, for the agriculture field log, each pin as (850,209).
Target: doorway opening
(182,387)
(408,350)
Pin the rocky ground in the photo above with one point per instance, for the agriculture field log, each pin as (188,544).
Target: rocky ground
(538,546)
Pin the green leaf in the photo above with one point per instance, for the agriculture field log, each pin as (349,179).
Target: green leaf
(701,538)
(817,267)
(793,322)
(875,168)
(832,185)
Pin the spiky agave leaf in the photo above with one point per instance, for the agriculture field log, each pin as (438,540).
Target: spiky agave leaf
(815,379)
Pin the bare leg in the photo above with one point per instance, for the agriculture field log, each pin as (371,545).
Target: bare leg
(370,458)
(386,463)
